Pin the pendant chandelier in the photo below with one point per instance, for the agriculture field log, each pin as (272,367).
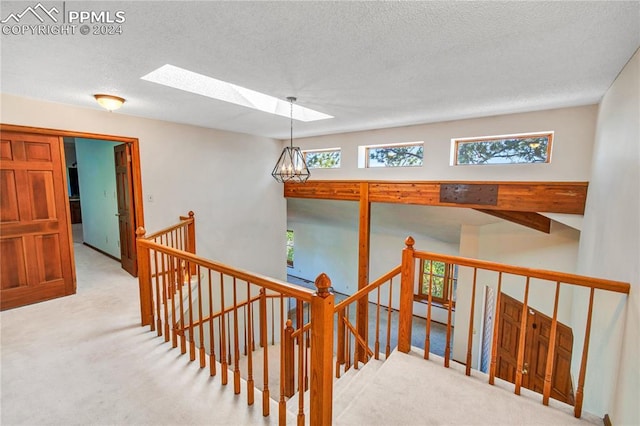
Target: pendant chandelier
(291,166)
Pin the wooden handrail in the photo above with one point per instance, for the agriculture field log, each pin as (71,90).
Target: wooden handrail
(257,279)
(563,277)
(365,290)
(183,222)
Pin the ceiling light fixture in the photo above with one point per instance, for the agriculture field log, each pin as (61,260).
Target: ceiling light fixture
(192,82)
(291,166)
(109,102)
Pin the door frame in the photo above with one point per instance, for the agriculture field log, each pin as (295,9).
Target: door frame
(135,166)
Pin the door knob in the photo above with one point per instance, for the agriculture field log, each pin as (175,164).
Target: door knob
(525,370)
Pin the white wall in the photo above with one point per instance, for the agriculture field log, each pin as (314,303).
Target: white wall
(610,248)
(98,199)
(223,177)
(571,157)
(330,245)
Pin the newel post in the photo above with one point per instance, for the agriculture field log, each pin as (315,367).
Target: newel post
(144,280)
(191,234)
(407,281)
(322,352)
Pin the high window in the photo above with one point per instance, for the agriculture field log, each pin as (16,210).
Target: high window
(392,155)
(441,278)
(323,158)
(506,149)
(290,248)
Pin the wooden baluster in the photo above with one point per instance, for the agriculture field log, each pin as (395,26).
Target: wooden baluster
(252,336)
(583,362)
(447,346)
(306,359)
(282,403)
(288,368)
(249,327)
(174,283)
(203,362)
(144,281)
(546,393)
(347,361)
(376,345)
(471,315)
(158,294)
(265,351)
(166,294)
(212,346)
(229,352)
(245,314)
(183,333)
(273,332)
(521,339)
(341,343)
(192,340)
(172,240)
(387,349)
(321,394)
(494,339)
(405,315)
(236,346)
(427,338)
(223,335)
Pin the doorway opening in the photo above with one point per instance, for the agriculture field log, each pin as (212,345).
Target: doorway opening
(100,187)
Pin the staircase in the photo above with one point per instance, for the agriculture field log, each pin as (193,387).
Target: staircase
(407,390)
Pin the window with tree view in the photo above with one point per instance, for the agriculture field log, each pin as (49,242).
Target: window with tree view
(441,278)
(513,149)
(396,155)
(290,248)
(323,158)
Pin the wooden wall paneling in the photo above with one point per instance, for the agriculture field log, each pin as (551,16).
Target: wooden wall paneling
(551,197)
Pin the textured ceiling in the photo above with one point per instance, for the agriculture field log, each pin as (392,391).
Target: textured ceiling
(370,64)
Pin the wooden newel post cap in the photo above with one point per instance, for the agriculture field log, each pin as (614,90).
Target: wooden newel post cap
(323,284)
(409,242)
(289,324)
(191,214)
(140,232)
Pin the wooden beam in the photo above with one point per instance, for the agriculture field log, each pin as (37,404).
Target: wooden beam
(362,320)
(552,197)
(530,220)
(326,190)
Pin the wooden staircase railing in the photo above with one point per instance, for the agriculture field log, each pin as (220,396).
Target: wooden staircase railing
(347,332)
(408,284)
(213,309)
(218,310)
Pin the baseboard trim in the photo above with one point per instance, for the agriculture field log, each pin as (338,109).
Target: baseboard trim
(101,252)
(607,420)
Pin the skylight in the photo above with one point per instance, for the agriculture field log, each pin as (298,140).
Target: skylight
(189,81)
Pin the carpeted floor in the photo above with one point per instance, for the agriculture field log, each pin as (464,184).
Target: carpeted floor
(85,360)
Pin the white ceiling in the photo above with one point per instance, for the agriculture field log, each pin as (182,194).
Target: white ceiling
(370,64)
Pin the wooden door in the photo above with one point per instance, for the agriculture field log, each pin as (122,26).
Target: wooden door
(126,219)
(36,263)
(538,341)
(535,350)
